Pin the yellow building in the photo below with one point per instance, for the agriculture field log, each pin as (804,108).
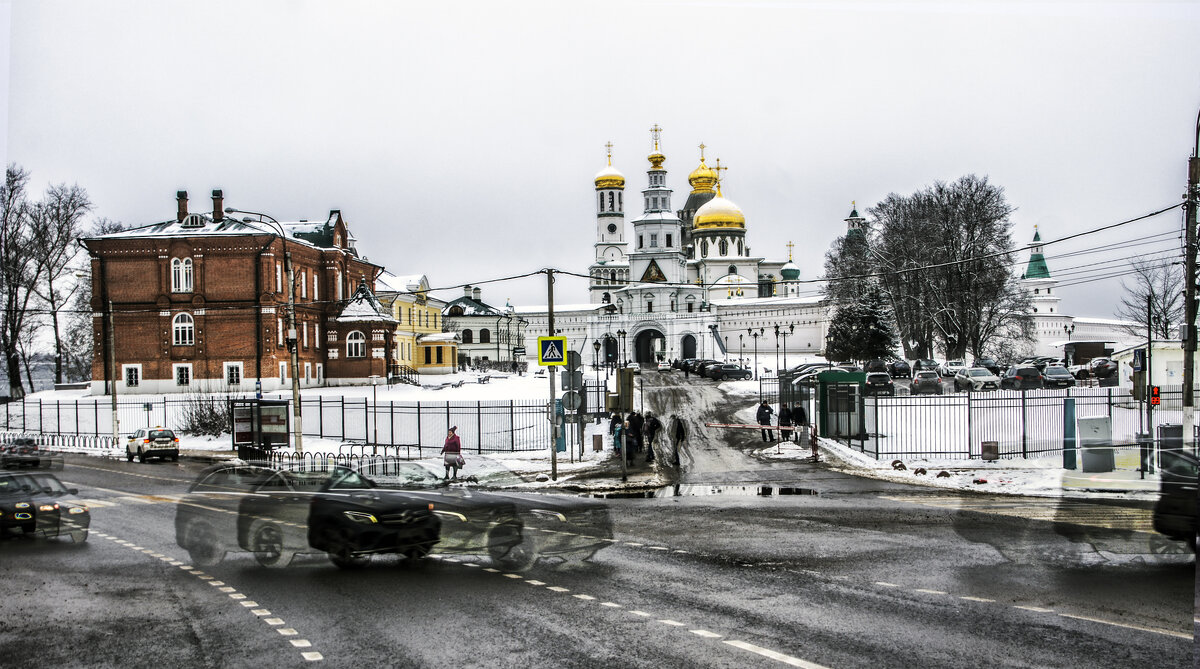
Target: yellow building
(421,347)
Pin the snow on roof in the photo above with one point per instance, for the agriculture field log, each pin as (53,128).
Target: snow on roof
(538,309)
(227,227)
(364,307)
(1103,321)
(400,283)
(437,337)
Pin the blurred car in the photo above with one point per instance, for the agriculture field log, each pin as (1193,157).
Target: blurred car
(899,369)
(24,453)
(879,383)
(635,366)
(1175,510)
(153,442)
(989,364)
(876,365)
(707,368)
(33,504)
(1102,368)
(728,372)
(663,365)
(925,364)
(277,513)
(1057,376)
(926,381)
(975,379)
(949,368)
(552,526)
(1040,362)
(681,364)
(1021,377)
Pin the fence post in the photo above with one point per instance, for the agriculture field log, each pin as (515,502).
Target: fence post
(96,416)
(479,426)
(41,426)
(57,417)
(342,405)
(320,416)
(512,428)
(1110,405)
(447,416)
(1024,435)
(391,422)
(76,416)
(418,428)
(166,419)
(970,423)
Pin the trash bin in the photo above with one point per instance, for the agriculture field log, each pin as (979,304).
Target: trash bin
(989,450)
(1170,436)
(1095,444)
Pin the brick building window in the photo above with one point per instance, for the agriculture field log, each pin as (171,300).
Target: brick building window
(183,375)
(133,375)
(233,373)
(356,345)
(278,278)
(183,330)
(315,298)
(316,335)
(304,283)
(181,275)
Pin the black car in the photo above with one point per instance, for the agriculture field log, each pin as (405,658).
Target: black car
(876,365)
(925,364)
(899,369)
(879,383)
(988,363)
(727,372)
(277,513)
(1021,378)
(33,505)
(1057,376)
(24,453)
(699,363)
(1175,510)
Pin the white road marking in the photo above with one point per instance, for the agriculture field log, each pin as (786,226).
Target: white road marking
(557,588)
(779,657)
(977,599)
(249,604)
(301,643)
(216,582)
(1152,630)
(533,582)
(205,577)
(513,576)
(886,584)
(679,551)
(273,621)
(612,605)
(640,613)
(313,656)
(672,623)
(1035,609)
(228,589)
(237,595)
(470,564)
(186,567)
(706,634)
(658,548)
(930,592)
(174,563)
(585,597)
(261,612)
(630,543)
(287,631)
(494,571)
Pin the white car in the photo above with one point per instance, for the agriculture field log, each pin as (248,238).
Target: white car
(635,366)
(664,365)
(976,378)
(951,368)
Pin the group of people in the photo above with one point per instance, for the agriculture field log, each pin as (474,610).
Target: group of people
(635,434)
(788,417)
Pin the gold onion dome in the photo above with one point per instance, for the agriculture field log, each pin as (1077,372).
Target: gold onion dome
(656,159)
(610,177)
(719,213)
(703,178)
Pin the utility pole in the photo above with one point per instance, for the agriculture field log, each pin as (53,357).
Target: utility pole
(1191,200)
(294,345)
(110,342)
(555,427)
(1149,361)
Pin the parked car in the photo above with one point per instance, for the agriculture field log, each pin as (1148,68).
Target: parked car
(729,372)
(698,363)
(1102,368)
(1041,362)
(925,364)
(277,513)
(33,504)
(1175,510)
(990,364)
(949,368)
(635,366)
(899,369)
(663,365)
(154,442)
(975,379)
(876,365)
(1021,377)
(926,381)
(705,369)
(1057,376)
(879,383)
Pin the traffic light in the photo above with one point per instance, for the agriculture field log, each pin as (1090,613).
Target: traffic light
(1155,399)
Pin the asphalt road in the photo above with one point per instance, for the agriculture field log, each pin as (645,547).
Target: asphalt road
(856,574)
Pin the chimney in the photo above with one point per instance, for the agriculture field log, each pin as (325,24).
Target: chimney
(218,206)
(466,291)
(475,294)
(181,198)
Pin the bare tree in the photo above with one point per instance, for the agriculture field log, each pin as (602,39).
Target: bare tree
(1157,282)
(56,223)
(19,273)
(78,341)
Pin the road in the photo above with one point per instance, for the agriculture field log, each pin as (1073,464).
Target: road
(853,573)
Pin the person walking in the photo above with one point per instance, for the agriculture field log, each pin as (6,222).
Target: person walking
(636,423)
(678,435)
(452,452)
(686,370)
(785,422)
(764,418)
(800,419)
(618,434)
(614,422)
(653,425)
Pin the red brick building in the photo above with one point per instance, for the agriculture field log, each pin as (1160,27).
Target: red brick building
(199,302)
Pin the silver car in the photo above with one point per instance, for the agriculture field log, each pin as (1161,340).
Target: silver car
(976,379)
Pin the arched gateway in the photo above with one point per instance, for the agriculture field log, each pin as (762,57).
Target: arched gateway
(649,346)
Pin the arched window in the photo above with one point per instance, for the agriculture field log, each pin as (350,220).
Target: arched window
(704,248)
(612,275)
(181,275)
(741,248)
(183,330)
(468,337)
(356,345)
(612,201)
(733,269)
(606,298)
(485,336)
(724,245)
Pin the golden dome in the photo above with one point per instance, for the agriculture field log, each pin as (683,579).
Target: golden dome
(610,177)
(719,213)
(656,159)
(703,178)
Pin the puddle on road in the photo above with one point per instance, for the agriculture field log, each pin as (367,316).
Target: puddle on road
(692,490)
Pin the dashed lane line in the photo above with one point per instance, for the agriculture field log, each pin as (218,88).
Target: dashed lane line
(234,595)
(778,657)
(1140,628)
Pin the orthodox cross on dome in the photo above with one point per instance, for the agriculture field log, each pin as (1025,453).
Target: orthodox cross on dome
(702,147)
(790,245)
(609,146)
(655,132)
(717,169)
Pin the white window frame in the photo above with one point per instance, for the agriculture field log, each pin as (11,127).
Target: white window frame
(303,283)
(186,368)
(317,335)
(315,284)
(356,345)
(653,240)
(283,377)
(279,321)
(137,375)
(240,376)
(320,372)
(183,334)
(181,275)
(308,372)
(278,277)
(306,335)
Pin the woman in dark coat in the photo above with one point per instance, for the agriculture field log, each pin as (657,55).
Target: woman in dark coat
(785,422)
(452,452)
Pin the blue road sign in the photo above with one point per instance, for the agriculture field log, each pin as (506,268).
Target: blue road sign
(1139,359)
(552,351)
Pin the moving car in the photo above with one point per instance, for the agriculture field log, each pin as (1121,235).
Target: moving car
(636,367)
(975,378)
(728,372)
(278,513)
(1057,376)
(664,366)
(899,369)
(33,503)
(154,442)
(1175,510)
(24,453)
(879,383)
(1102,368)
(926,381)
(1020,377)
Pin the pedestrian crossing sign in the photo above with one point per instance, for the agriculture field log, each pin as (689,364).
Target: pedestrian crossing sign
(552,351)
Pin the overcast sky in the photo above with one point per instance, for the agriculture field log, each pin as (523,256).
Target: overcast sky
(460,139)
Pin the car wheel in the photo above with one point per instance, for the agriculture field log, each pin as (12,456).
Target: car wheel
(141,456)
(175,456)
(510,550)
(341,550)
(266,542)
(79,536)
(203,545)
(128,455)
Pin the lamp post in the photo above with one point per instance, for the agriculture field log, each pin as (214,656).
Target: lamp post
(741,350)
(1068,349)
(596,366)
(621,334)
(776,350)
(297,424)
(755,335)
(726,348)
(790,330)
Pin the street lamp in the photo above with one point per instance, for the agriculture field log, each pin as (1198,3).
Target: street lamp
(741,350)
(1068,349)
(291,335)
(726,348)
(375,409)
(621,334)
(791,329)
(755,335)
(776,350)
(596,366)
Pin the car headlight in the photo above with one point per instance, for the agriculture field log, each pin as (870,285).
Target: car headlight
(22,505)
(361,517)
(48,507)
(78,509)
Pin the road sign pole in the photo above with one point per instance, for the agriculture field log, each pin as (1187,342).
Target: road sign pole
(551,333)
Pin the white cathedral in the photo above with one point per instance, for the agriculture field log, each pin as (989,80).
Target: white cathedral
(684,284)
